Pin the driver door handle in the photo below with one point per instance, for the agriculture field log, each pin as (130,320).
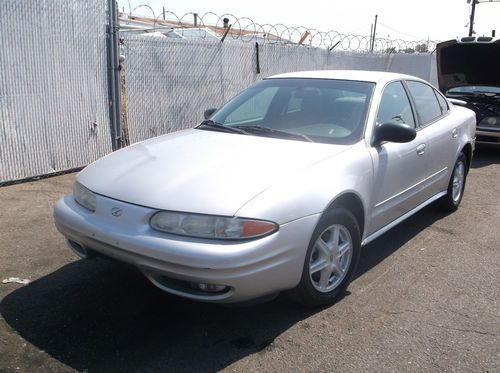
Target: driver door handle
(421,149)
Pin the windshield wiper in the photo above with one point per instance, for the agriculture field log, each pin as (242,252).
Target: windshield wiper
(210,124)
(279,133)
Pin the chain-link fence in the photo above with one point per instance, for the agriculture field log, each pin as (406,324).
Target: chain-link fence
(170,81)
(155,69)
(54,109)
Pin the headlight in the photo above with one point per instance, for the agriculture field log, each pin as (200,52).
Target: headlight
(84,197)
(209,226)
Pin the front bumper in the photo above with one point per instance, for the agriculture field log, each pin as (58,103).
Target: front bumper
(486,135)
(249,269)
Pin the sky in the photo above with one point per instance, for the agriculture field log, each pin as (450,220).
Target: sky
(397,19)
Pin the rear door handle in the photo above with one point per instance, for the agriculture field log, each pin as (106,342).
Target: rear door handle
(421,149)
(454,133)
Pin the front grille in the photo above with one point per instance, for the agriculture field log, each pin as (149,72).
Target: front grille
(489,139)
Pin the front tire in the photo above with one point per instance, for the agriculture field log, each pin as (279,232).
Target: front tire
(331,259)
(456,186)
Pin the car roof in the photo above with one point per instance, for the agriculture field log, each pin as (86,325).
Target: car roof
(358,75)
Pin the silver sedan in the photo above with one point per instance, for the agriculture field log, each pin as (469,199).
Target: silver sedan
(278,189)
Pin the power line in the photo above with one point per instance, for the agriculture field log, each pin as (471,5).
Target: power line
(401,32)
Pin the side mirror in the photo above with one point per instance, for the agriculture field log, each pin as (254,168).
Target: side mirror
(208,113)
(394,132)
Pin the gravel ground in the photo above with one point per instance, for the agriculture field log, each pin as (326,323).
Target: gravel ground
(426,298)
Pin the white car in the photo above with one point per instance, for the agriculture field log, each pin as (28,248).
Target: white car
(278,189)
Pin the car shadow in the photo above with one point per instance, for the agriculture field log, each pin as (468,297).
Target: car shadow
(105,316)
(485,156)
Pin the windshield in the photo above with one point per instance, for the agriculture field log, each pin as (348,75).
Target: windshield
(317,110)
(473,89)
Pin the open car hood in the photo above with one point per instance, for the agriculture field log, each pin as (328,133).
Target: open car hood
(468,61)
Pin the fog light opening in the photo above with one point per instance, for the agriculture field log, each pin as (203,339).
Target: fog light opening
(78,249)
(209,288)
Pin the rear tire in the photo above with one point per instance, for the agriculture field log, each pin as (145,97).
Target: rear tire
(456,186)
(331,259)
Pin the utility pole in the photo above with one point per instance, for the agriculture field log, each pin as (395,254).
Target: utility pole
(473,12)
(374,33)
(471,20)
(371,36)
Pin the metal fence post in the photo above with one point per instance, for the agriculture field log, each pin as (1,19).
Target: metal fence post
(114,74)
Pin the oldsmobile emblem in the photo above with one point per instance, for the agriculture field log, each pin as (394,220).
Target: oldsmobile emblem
(115,211)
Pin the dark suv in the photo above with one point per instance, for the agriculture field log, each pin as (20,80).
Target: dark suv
(469,74)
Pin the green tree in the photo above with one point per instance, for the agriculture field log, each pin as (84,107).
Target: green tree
(422,48)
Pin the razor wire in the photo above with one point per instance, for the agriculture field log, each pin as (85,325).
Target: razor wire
(230,26)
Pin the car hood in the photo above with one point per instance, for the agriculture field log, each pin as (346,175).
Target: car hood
(200,171)
(469,61)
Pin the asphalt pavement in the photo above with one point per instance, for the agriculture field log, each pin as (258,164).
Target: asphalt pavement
(426,298)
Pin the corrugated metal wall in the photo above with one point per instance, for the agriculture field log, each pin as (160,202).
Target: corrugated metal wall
(54,112)
(170,82)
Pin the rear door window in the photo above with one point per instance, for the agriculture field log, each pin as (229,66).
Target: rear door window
(426,102)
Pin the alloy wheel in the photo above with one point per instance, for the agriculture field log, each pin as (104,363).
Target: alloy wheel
(330,258)
(458,181)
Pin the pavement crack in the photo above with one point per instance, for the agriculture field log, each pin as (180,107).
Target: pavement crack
(403,311)
(464,330)
(373,282)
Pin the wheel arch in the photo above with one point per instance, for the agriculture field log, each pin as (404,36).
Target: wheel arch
(353,203)
(467,150)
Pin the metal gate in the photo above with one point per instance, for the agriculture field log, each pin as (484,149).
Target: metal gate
(54,97)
